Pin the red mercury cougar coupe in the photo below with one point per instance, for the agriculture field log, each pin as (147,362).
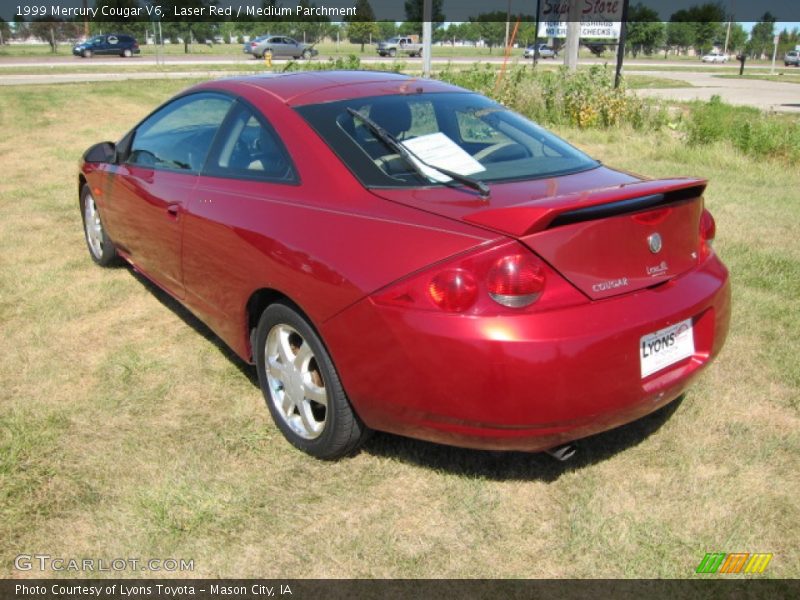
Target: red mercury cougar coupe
(404,255)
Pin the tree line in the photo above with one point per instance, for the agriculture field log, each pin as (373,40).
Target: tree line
(700,28)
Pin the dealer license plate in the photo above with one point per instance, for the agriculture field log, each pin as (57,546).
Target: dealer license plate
(665,347)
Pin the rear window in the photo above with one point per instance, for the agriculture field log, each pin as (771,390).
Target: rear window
(464,132)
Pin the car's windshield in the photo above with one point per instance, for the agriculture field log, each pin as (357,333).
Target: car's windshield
(461,132)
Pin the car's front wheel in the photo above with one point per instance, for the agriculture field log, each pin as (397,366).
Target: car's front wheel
(101,248)
(301,386)
(87,54)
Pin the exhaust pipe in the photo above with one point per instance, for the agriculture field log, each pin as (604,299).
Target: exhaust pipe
(563,453)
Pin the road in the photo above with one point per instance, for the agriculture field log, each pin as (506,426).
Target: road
(766,95)
(235,59)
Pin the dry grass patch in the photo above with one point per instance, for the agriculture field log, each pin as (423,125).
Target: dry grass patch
(128,430)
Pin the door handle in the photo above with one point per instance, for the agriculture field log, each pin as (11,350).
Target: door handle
(173,210)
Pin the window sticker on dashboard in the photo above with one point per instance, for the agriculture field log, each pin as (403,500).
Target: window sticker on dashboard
(440,151)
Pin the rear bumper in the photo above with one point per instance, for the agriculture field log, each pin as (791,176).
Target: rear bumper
(527,382)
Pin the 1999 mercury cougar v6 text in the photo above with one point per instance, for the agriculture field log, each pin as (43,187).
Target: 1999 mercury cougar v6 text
(403,255)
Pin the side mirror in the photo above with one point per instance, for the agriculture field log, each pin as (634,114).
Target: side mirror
(104,152)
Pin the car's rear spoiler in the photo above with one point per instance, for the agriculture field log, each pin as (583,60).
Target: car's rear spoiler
(537,215)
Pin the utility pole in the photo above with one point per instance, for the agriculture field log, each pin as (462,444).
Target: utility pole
(508,19)
(623,30)
(573,35)
(427,31)
(775,41)
(727,37)
(728,32)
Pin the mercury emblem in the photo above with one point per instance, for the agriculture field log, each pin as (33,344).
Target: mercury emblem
(654,241)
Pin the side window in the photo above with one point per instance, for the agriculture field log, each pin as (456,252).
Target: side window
(250,149)
(179,136)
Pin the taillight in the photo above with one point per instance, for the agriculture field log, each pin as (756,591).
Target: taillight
(708,231)
(453,290)
(516,280)
(504,279)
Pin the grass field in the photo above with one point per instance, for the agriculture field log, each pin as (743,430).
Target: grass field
(128,430)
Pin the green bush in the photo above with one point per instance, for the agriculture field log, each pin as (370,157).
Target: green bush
(750,130)
(586,98)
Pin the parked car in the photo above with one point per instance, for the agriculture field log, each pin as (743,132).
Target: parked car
(714,58)
(282,47)
(791,58)
(112,43)
(401,44)
(251,45)
(401,254)
(544,51)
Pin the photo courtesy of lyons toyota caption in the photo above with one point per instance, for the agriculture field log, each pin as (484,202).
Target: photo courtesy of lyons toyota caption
(403,255)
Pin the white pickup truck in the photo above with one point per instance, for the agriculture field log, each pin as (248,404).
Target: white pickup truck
(402,44)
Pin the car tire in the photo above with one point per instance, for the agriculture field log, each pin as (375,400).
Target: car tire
(306,54)
(86,54)
(302,388)
(101,248)
(127,53)
(392,53)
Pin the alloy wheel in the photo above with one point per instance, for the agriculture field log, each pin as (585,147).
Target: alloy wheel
(296,387)
(93,227)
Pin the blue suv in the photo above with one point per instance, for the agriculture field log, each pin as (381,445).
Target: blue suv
(112,43)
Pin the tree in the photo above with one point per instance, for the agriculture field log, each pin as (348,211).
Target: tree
(308,28)
(788,40)
(54,31)
(5,31)
(492,28)
(702,24)
(135,26)
(761,36)
(189,30)
(362,27)
(386,29)
(645,31)
(679,34)
(526,33)
(709,28)
(737,39)
(414,15)
(467,31)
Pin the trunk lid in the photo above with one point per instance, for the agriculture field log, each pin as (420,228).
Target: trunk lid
(619,235)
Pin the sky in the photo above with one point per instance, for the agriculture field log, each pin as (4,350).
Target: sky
(779,26)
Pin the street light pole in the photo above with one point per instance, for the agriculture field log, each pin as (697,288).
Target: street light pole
(427,30)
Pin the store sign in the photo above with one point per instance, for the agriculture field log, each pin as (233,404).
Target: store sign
(599,18)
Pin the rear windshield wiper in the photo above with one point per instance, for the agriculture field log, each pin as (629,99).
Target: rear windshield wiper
(414,160)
